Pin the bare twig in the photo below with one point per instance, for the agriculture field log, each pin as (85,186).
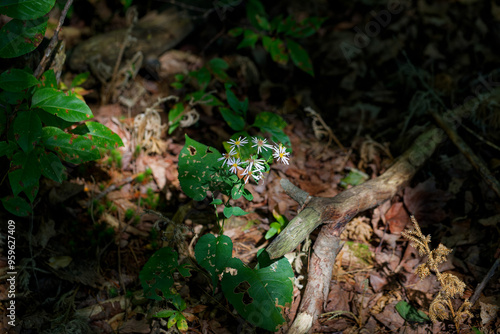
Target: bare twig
(53,42)
(485,280)
(475,161)
(126,40)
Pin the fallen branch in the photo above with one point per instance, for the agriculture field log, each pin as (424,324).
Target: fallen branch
(335,213)
(48,51)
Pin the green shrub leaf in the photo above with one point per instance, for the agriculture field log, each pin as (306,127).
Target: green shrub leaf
(213,253)
(99,134)
(24,171)
(240,106)
(79,79)
(51,166)
(218,67)
(195,162)
(16,205)
(233,211)
(203,77)
(70,147)
(235,32)
(156,275)
(250,37)
(27,129)
(300,57)
(274,124)
(26,9)
(48,79)
(68,107)
(20,37)
(278,51)
(259,295)
(16,80)
(235,121)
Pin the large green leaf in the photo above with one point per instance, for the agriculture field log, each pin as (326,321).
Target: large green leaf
(70,147)
(196,162)
(63,105)
(16,205)
(259,295)
(156,275)
(24,171)
(51,166)
(20,37)
(234,120)
(99,134)
(213,253)
(26,9)
(27,129)
(16,80)
(299,56)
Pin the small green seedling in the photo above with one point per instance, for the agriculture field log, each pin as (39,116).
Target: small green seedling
(277,226)
(410,313)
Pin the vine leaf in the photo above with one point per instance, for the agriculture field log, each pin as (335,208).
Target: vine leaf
(259,295)
(195,161)
(213,253)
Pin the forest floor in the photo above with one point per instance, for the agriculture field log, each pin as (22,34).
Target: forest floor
(81,253)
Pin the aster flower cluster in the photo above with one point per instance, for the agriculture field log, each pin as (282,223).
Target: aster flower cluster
(252,166)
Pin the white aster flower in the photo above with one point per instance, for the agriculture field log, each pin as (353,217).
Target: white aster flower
(226,157)
(256,164)
(237,143)
(280,153)
(235,165)
(256,174)
(261,144)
